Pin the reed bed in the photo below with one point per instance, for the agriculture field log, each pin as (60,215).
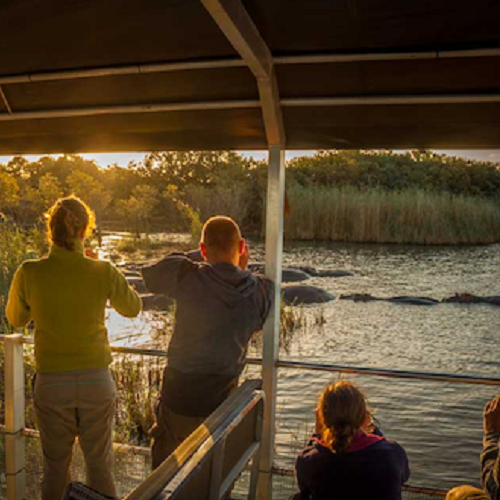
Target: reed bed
(411,216)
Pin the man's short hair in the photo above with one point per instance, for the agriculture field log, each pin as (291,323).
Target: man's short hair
(221,234)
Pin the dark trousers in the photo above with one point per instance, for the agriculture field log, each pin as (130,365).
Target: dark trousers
(170,430)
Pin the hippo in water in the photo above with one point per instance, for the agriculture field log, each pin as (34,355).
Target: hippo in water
(404,299)
(305,294)
(358,297)
(414,301)
(320,273)
(468,298)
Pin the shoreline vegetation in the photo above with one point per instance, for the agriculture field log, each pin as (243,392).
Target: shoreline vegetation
(418,197)
(410,216)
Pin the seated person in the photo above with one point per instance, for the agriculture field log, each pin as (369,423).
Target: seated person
(490,460)
(219,305)
(347,459)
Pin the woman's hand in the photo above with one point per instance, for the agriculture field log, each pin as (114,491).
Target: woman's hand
(92,253)
(367,424)
(491,416)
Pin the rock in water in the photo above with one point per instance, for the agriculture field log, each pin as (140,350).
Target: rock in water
(138,284)
(154,302)
(305,294)
(289,275)
(294,275)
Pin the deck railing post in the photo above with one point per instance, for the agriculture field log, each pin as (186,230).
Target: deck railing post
(274,251)
(14,418)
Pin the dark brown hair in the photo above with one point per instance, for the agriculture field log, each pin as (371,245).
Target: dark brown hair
(342,410)
(221,234)
(66,220)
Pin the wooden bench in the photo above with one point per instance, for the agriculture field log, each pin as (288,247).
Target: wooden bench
(208,462)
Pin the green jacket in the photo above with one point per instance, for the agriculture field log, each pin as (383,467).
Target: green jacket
(65,294)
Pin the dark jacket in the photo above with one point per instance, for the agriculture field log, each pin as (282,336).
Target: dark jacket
(376,472)
(218,308)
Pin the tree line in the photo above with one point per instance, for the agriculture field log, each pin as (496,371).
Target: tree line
(171,191)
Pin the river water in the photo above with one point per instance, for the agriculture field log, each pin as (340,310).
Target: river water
(439,424)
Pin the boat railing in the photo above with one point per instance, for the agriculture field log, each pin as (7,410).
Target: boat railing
(15,432)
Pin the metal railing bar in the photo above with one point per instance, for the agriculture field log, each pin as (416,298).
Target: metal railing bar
(332,368)
(281,471)
(380,372)
(117,447)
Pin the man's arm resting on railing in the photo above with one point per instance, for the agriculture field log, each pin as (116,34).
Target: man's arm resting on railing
(17,310)
(490,464)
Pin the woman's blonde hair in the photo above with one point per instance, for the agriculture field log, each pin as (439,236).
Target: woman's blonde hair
(342,410)
(67,219)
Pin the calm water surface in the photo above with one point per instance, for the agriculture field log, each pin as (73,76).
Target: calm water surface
(439,424)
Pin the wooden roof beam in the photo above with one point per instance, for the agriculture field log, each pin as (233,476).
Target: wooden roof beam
(240,30)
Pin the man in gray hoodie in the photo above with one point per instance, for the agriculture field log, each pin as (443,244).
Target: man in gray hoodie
(219,305)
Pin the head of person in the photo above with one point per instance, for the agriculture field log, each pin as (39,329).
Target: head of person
(342,411)
(69,221)
(221,240)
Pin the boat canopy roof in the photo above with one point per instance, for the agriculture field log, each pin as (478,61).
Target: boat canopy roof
(108,75)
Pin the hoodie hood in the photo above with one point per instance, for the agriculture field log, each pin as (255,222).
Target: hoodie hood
(230,283)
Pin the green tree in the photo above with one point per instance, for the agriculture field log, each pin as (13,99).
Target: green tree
(9,192)
(92,192)
(48,191)
(139,208)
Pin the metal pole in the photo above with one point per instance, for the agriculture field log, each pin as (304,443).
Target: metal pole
(14,417)
(274,254)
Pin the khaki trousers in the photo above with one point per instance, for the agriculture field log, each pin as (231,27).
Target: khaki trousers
(170,430)
(466,493)
(71,404)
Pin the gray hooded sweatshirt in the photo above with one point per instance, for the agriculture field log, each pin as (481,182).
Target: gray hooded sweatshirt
(218,308)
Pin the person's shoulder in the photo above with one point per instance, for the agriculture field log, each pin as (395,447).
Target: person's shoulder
(263,280)
(390,446)
(391,443)
(31,265)
(102,266)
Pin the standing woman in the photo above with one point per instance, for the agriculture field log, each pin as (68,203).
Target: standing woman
(65,294)
(347,458)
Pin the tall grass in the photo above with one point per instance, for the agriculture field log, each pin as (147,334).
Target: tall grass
(410,216)
(16,245)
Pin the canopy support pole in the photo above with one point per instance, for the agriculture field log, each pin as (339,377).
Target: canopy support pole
(274,253)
